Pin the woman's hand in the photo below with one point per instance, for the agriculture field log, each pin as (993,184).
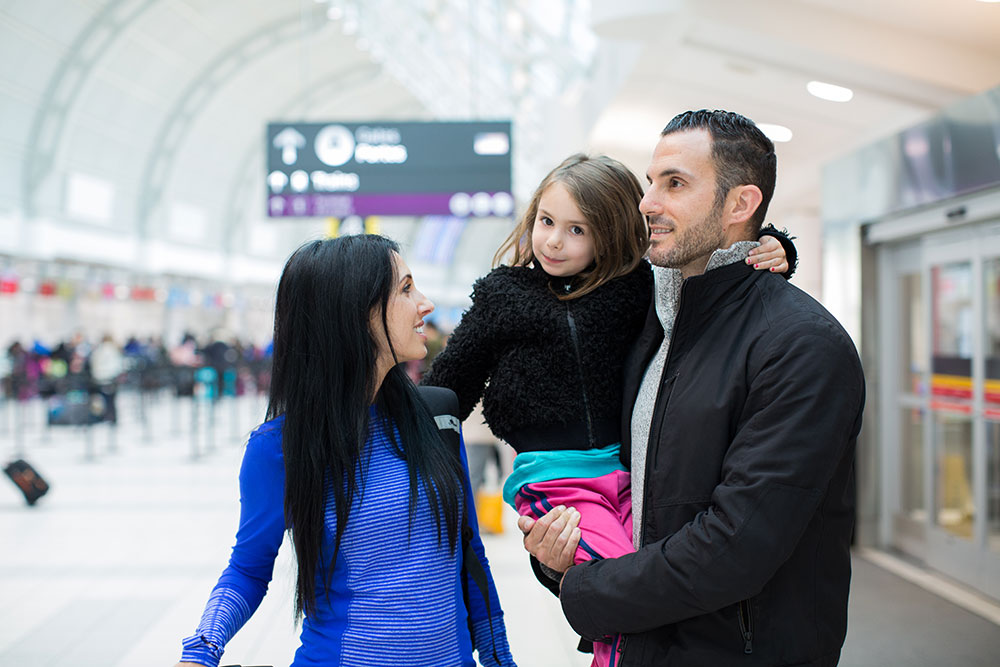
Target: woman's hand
(769,256)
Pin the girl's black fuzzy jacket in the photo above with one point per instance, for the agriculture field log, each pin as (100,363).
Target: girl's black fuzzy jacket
(549,371)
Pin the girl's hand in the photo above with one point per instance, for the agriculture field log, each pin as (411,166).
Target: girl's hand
(769,256)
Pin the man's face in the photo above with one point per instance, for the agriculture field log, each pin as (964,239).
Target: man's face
(685,224)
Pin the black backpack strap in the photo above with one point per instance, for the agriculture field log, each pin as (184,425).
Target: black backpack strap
(443,406)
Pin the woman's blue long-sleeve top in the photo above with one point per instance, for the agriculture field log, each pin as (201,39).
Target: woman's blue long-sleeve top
(395,597)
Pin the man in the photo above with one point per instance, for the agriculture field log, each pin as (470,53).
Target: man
(743,401)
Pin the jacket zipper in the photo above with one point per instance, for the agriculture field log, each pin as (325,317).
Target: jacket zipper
(621,650)
(746,625)
(649,450)
(653,423)
(583,385)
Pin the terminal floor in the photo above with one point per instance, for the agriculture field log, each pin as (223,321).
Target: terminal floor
(113,567)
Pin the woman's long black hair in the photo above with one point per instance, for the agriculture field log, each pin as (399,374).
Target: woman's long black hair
(323,379)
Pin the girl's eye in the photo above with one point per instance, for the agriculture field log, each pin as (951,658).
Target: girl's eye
(577,230)
(407,287)
(547,221)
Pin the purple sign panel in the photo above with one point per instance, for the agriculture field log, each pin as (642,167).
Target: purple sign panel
(459,204)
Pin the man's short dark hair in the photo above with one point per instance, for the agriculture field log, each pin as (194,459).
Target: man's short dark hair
(743,155)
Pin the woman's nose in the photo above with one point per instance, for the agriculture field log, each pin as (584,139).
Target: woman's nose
(426,306)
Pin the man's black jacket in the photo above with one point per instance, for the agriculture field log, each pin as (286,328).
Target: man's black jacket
(749,491)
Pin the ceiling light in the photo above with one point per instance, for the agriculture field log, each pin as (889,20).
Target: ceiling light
(777,133)
(515,21)
(828,91)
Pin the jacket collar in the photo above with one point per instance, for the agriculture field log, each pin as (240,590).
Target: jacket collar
(558,285)
(668,282)
(701,296)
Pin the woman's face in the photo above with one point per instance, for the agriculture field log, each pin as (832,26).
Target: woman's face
(405,315)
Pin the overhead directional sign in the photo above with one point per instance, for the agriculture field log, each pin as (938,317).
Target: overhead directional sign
(389,168)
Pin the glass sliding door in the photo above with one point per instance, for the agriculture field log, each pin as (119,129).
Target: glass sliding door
(912,373)
(991,398)
(952,329)
(905,364)
(939,391)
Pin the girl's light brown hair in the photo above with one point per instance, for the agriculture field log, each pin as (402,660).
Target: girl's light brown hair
(608,196)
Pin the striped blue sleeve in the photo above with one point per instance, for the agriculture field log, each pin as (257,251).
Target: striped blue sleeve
(489,635)
(244,581)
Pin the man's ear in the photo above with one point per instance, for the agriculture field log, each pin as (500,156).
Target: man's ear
(742,203)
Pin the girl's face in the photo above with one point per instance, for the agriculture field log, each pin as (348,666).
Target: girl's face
(405,315)
(561,238)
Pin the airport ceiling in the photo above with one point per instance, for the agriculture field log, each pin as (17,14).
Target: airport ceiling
(167,99)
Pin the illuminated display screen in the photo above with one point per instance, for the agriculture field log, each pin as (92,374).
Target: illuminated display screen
(460,169)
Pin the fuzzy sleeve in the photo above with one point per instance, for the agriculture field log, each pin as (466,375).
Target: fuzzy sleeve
(785,239)
(469,358)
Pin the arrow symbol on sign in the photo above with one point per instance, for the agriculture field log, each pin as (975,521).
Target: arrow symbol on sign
(289,140)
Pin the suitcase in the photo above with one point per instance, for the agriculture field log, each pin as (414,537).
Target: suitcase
(489,511)
(32,485)
(76,408)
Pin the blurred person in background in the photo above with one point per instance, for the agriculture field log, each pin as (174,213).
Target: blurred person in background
(379,582)
(221,356)
(154,372)
(6,371)
(185,359)
(24,371)
(106,368)
(544,346)
(436,341)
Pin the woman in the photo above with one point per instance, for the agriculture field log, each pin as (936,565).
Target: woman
(351,463)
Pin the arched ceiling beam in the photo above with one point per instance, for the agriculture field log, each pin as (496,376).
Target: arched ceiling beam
(64,88)
(341,84)
(192,100)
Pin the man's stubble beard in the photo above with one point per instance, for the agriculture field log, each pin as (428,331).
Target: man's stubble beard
(696,241)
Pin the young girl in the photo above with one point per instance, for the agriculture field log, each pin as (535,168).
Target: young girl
(544,344)
(351,463)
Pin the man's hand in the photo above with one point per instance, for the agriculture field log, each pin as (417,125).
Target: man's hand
(553,538)
(769,255)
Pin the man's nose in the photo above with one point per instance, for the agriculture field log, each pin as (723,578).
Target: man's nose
(648,205)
